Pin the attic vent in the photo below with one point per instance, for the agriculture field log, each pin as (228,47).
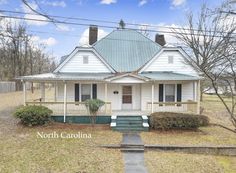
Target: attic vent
(85,60)
(170,59)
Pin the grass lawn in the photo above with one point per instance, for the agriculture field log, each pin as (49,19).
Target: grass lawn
(211,135)
(215,110)
(168,162)
(191,163)
(204,136)
(22,150)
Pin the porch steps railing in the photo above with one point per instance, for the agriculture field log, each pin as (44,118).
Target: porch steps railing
(129,123)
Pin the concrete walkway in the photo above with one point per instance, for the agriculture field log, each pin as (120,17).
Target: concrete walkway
(134,161)
(132,138)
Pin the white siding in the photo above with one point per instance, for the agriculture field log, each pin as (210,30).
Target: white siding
(70,91)
(146,95)
(161,64)
(188,91)
(75,64)
(115,99)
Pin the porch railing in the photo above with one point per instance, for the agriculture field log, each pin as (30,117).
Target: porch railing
(189,106)
(72,108)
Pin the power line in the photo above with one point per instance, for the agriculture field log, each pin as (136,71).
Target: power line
(103,26)
(111,22)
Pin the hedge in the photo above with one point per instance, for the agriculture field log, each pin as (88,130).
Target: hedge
(173,120)
(33,115)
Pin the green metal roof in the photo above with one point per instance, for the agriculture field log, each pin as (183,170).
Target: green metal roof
(126,50)
(168,76)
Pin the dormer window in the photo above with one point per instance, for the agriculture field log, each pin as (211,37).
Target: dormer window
(85,59)
(170,59)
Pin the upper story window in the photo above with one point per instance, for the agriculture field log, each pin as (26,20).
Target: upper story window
(170,59)
(85,59)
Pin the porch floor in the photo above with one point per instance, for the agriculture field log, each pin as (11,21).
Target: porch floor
(129,112)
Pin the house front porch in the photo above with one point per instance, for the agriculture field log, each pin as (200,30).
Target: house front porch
(124,95)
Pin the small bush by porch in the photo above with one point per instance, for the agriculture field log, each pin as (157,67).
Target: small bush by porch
(174,120)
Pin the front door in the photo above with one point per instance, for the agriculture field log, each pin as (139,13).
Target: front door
(127,98)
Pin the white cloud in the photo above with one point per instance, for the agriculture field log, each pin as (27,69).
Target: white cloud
(63,28)
(33,16)
(142,2)
(54,3)
(84,39)
(107,2)
(176,3)
(48,41)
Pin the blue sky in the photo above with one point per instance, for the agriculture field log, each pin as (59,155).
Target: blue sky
(61,39)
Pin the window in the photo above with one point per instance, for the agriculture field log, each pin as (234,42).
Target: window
(85,92)
(85,60)
(127,95)
(170,92)
(170,59)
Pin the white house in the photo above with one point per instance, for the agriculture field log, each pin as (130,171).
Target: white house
(131,73)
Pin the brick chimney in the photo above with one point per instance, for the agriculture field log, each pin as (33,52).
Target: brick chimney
(160,39)
(93,34)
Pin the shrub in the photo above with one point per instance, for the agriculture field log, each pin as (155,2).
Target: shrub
(93,106)
(33,115)
(172,120)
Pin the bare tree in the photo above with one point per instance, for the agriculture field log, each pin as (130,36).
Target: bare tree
(20,55)
(211,38)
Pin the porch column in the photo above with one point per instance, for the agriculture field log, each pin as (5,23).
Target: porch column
(65,100)
(105,97)
(152,97)
(24,93)
(55,91)
(42,88)
(198,97)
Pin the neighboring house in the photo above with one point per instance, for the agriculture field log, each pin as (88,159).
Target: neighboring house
(131,73)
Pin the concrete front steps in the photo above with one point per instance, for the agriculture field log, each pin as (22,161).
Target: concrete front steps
(129,123)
